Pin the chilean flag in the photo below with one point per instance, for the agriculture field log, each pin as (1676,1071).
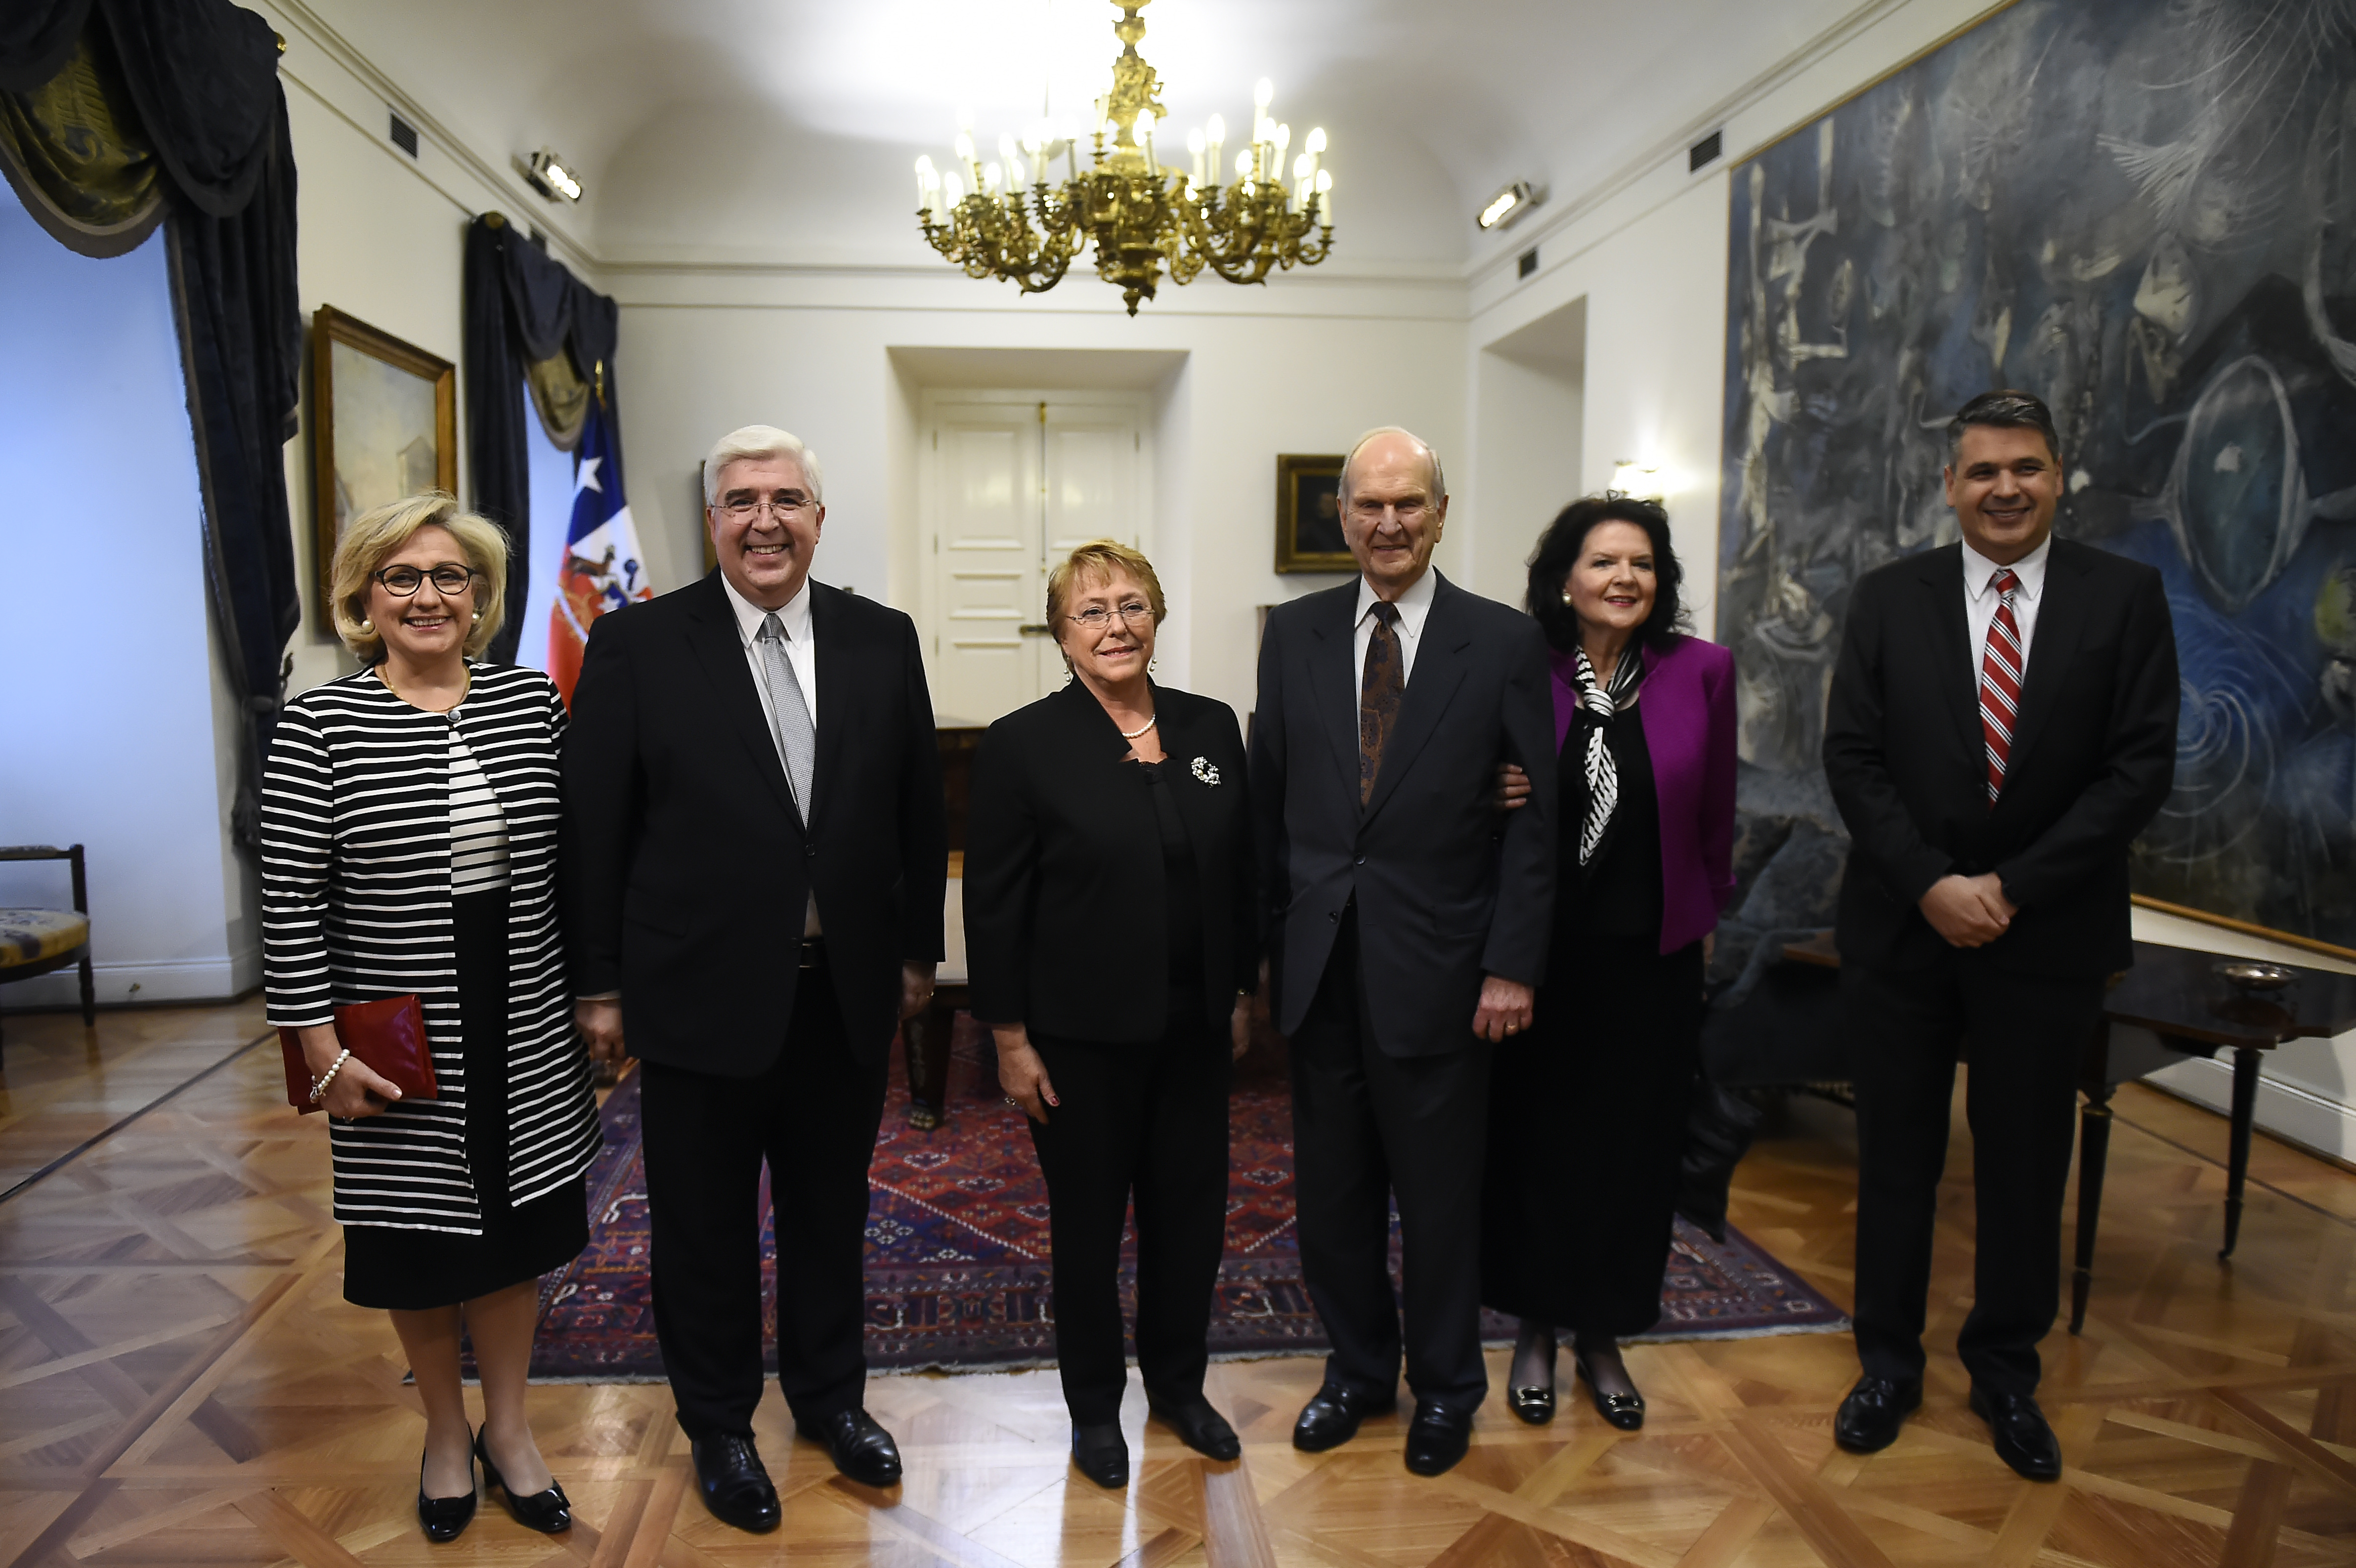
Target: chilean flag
(602,567)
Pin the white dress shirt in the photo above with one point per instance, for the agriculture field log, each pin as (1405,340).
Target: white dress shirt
(1414,608)
(1980,600)
(801,653)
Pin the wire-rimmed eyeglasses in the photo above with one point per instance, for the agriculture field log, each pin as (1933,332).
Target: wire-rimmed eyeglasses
(1097,617)
(784,509)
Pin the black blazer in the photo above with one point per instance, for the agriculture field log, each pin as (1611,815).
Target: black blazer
(687,867)
(1063,898)
(2094,756)
(1447,889)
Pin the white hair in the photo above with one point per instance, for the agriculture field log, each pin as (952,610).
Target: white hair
(760,441)
(1430,455)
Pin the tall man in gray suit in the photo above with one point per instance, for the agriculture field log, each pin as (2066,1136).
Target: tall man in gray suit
(1409,932)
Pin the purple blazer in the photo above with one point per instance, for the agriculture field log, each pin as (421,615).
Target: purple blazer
(1687,706)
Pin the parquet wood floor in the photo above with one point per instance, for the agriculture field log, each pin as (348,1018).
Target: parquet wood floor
(182,1383)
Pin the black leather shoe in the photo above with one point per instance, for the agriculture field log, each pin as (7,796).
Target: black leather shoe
(1438,1437)
(1624,1411)
(862,1449)
(549,1512)
(1200,1427)
(444,1518)
(735,1485)
(2023,1440)
(1102,1455)
(1534,1404)
(1874,1411)
(1331,1415)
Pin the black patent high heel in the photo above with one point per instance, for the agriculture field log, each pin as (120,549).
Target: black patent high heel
(1624,1411)
(549,1512)
(444,1518)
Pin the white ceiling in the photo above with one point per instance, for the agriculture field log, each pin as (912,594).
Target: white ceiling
(784,130)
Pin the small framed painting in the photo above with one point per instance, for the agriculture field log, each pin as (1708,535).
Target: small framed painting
(1309,515)
(384,424)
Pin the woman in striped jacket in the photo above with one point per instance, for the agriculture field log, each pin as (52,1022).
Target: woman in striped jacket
(408,830)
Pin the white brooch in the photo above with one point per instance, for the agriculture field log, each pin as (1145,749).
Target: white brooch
(1205,771)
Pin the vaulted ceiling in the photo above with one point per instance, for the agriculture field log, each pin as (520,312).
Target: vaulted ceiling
(783,131)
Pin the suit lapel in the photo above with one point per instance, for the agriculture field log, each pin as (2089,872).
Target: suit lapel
(1957,662)
(711,634)
(1334,680)
(1439,670)
(836,664)
(2050,649)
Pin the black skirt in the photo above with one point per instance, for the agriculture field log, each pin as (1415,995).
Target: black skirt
(411,1270)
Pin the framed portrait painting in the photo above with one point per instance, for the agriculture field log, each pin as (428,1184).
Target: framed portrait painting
(384,424)
(1309,515)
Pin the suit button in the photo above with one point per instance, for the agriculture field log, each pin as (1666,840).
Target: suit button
(1336,915)
(810,849)
(1361,860)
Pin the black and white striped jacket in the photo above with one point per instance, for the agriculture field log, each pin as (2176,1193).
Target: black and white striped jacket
(356,906)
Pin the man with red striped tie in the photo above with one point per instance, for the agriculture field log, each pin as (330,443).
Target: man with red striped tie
(2001,725)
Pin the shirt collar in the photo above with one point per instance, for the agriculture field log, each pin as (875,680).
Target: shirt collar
(795,616)
(1413,605)
(1979,571)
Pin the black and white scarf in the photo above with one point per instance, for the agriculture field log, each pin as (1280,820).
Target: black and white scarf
(1603,773)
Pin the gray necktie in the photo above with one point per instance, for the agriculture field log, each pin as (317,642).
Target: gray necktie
(790,719)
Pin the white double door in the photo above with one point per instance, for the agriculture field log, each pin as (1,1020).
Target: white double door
(1014,482)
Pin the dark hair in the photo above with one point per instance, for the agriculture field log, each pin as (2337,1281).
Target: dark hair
(2010,410)
(1558,548)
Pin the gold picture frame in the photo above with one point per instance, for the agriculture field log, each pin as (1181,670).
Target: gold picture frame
(384,424)
(1309,514)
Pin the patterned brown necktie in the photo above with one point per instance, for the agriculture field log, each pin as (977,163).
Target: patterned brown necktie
(1379,692)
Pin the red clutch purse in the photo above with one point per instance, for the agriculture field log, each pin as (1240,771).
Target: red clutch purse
(389,1035)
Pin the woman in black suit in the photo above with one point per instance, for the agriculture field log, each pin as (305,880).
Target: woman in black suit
(1111,937)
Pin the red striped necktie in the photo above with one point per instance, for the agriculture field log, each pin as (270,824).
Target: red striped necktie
(2000,670)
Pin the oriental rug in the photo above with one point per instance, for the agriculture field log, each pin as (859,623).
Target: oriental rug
(957,1247)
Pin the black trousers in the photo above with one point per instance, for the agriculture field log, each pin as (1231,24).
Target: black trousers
(1149,1121)
(2027,1034)
(813,1115)
(1368,1128)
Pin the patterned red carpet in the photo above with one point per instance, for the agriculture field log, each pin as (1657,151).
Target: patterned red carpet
(957,1247)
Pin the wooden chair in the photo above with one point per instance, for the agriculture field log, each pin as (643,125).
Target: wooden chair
(36,941)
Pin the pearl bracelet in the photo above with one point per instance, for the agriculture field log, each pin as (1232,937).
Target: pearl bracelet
(319,1087)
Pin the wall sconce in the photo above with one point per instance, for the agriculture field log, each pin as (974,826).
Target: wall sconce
(548,174)
(1506,209)
(1640,476)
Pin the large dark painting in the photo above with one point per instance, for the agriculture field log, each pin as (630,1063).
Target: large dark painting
(2146,213)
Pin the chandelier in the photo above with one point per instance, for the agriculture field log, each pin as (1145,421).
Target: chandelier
(1134,212)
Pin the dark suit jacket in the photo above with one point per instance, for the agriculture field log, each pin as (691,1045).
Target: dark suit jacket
(1064,897)
(1447,889)
(2093,757)
(687,867)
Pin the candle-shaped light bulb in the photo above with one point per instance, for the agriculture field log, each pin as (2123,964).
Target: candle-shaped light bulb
(964,146)
(1261,93)
(991,177)
(925,178)
(952,188)
(1243,164)
(1216,129)
(1316,142)
(1325,198)
(1196,144)
(1144,133)
(1283,137)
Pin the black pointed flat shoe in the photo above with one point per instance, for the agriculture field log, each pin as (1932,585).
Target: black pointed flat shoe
(444,1519)
(1101,1453)
(1624,1411)
(1534,1404)
(549,1512)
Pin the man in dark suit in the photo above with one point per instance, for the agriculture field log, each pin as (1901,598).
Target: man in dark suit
(758,856)
(2001,725)
(1408,931)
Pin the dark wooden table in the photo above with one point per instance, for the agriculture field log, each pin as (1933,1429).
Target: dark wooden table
(2172,1006)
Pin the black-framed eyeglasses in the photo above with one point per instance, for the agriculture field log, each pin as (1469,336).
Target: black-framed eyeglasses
(449,580)
(1097,617)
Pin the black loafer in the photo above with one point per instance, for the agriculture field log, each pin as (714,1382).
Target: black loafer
(443,1517)
(549,1512)
(1331,1415)
(1874,1411)
(1439,1436)
(2023,1440)
(1535,1404)
(1101,1454)
(862,1449)
(1624,1411)
(735,1485)
(1200,1427)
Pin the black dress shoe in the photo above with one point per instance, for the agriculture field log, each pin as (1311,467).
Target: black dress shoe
(549,1512)
(1534,1404)
(862,1449)
(1438,1437)
(1102,1455)
(1331,1415)
(1874,1411)
(1200,1427)
(444,1518)
(735,1485)
(2023,1440)
(1624,1411)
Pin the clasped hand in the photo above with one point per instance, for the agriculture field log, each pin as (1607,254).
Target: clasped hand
(1969,911)
(359,1090)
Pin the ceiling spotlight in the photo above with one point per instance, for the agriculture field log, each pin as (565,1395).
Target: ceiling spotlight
(1506,209)
(549,175)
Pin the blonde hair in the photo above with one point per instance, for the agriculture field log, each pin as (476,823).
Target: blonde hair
(1102,560)
(380,530)
(760,441)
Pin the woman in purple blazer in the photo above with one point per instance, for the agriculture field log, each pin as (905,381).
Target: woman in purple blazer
(1576,1230)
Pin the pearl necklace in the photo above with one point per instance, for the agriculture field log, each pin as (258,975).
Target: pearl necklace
(1133,734)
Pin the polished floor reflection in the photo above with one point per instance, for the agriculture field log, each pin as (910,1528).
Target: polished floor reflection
(181,1382)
